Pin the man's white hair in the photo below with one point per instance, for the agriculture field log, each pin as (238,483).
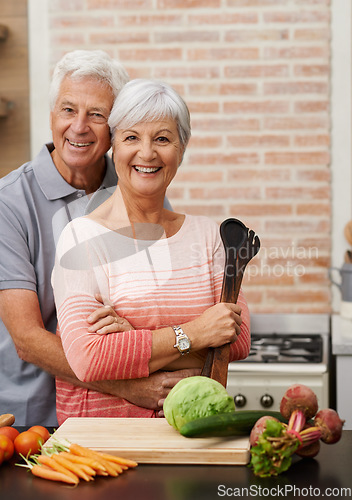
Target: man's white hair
(88,63)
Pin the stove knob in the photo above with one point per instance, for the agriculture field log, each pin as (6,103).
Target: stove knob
(240,400)
(266,401)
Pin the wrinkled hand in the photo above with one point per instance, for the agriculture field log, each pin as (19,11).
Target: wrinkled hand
(105,320)
(150,392)
(218,325)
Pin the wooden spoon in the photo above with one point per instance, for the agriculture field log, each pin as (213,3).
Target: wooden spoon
(241,245)
(348,232)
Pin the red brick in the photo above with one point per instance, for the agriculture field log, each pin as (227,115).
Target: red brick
(187,4)
(255,107)
(298,227)
(197,141)
(185,71)
(297,16)
(291,87)
(225,18)
(261,209)
(296,295)
(150,54)
(257,141)
(311,34)
(293,158)
(63,22)
(255,3)
(257,71)
(198,176)
(77,39)
(256,35)
(225,193)
(187,36)
(312,106)
(222,124)
(296,52)
(322,209)
(308,70)
(312,140)
(208,209)
(214,53)
(314,175)
(260,175)
(244,158)
(203,107)
(298,193)
(288,123)
(119,4)
(144,20)
(206,88)
(118,37)
(238,88)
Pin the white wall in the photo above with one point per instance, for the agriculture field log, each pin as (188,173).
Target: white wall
(39,77)
(341,112)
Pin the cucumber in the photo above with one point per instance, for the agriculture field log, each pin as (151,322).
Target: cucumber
(238,423)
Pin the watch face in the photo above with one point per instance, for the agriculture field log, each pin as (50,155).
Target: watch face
(183,344)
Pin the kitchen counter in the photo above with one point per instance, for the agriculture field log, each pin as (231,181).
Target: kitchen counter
(329,474)
(341,343)
(341,335)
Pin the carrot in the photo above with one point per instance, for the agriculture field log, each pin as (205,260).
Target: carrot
(53,464)
(47,473)
(97,466)
(82,451)
(75,468)
(118,460)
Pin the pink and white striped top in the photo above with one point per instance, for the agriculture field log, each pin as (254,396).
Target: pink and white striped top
(152,283)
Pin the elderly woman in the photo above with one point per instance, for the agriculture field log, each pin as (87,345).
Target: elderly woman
(162,271)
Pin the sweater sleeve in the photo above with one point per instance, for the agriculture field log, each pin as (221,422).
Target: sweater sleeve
(79,273)
(122,355)
(240,348)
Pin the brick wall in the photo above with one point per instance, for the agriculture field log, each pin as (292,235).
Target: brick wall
(255,74)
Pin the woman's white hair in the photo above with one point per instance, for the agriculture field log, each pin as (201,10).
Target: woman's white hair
(148,100)
(88,63)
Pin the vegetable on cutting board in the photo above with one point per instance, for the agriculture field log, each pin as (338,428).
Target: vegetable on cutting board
(195,397)
(277,442)
(237,423)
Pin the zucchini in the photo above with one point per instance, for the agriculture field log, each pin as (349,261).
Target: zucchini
(237,423)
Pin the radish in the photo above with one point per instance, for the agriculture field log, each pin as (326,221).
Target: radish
(258,429)
(330,425)
(299,397)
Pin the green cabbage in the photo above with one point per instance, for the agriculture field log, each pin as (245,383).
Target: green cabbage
(196,397)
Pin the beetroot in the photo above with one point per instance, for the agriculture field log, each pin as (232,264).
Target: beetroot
(258,429)
(299,397)
(330,425)
(309,451)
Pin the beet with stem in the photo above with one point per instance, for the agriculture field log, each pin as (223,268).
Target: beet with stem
(330,425)
(299,397)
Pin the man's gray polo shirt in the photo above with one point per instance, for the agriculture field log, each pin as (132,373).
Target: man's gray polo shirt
(35,205)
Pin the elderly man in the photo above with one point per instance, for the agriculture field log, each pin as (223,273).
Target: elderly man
(69,178)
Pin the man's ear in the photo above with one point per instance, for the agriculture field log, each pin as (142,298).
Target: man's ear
(51,120)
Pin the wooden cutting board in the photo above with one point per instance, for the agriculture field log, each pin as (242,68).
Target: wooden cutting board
(151,440)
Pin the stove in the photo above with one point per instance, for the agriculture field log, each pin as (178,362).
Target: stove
(285,349)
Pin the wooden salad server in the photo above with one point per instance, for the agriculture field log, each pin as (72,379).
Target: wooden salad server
(241,245)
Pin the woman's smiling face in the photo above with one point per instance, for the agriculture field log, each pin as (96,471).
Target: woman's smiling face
(147,156)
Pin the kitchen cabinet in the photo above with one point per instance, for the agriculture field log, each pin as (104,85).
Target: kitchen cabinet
(341,337)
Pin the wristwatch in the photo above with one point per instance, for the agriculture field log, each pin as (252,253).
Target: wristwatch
(183,343)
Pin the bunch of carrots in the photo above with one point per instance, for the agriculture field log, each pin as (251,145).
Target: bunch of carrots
(70,462)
